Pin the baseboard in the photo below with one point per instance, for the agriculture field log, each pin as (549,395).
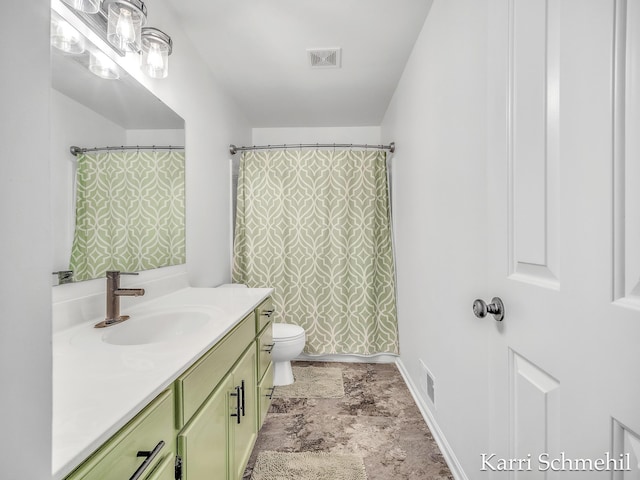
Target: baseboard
(445,448)
(377,358)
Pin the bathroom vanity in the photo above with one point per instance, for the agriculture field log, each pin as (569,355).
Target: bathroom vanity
(186,401)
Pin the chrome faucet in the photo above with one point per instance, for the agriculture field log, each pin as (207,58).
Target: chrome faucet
(114,292)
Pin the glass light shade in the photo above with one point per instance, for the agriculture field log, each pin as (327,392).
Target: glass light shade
(87,6)
(103,66)
(126,18)
(156,48)
(66,38)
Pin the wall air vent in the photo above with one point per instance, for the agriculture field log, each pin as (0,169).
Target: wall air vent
(325,57)
(427,384)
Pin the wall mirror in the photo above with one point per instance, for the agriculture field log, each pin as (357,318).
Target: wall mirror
(89,111)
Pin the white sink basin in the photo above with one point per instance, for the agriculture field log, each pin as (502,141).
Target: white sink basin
(156,327)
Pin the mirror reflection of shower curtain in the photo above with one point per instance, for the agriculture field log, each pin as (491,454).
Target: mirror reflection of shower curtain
(129,212)
(315,225)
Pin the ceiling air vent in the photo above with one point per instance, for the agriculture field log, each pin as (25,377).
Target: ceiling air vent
(325,57)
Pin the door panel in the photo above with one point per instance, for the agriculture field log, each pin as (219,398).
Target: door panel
(626,194)
(532,139)
(564,363)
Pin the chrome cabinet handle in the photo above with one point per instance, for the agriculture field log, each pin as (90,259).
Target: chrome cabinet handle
(495,308)
(267,313)
(242,402)
(269,348)
(270,395)
(149,456)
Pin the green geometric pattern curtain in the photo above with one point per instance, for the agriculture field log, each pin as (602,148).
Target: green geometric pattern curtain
(129,212)
(315,225)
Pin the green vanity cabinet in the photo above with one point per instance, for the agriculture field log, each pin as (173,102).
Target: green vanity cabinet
(202,444)
(200,380)
(217,441)
(243,408)
(265,392)
(217,407)
(264,314)
(264,343)
(118,458)
(208,419)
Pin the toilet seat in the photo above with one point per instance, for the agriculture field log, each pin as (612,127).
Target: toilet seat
(283,332)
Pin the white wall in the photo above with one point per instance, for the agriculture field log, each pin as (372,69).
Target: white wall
(277,136)
(437,119)
(155,137)
(25,241)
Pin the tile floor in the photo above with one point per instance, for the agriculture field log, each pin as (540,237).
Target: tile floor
(377,419)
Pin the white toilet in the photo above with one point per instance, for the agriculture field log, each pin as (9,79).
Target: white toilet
(288,343)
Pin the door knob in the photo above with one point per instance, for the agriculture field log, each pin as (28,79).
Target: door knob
(495,308)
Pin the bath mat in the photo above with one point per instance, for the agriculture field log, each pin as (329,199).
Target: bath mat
(313,382)
(308,466)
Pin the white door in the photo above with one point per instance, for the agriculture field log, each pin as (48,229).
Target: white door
(564,217)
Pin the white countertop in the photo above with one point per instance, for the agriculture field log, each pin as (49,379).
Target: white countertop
(99,387)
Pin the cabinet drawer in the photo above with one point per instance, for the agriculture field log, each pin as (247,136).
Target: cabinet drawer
(264,314)
(265,345)
(117,459)
(197,383)
(265,391)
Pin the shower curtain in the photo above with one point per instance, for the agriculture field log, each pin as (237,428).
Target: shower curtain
(129,212)
(315,225)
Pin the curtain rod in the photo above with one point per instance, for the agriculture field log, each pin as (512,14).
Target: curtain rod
(75,151)
(233,149)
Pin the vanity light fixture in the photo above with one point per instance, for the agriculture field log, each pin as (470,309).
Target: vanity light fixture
(86,6)
(120,23)
(66,38)
(156,48)
(125,21)
(102,66)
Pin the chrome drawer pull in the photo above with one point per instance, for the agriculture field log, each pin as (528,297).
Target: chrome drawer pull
(268,348)
(267,313)
(149,458)
(270,395)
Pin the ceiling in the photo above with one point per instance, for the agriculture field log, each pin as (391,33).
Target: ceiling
(257,50)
